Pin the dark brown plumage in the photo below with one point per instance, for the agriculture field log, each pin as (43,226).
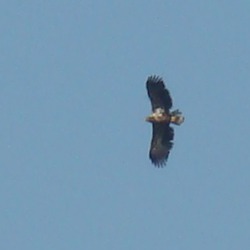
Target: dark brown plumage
(158,94)
(161,117)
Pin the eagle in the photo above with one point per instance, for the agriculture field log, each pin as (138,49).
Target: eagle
(161,118)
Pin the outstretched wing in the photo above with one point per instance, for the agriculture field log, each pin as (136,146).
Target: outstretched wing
(158,94)
(161,143)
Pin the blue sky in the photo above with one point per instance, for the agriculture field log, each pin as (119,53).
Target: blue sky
(74,167)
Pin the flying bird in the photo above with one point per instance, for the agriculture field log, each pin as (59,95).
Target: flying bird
(161,117)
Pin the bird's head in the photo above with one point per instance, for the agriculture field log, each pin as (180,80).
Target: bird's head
(150,118)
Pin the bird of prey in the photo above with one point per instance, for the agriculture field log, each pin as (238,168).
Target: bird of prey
(161,117)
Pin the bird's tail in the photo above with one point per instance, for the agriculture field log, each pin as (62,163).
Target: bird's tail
(177,117)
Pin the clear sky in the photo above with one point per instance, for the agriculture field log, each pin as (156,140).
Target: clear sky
(74,167)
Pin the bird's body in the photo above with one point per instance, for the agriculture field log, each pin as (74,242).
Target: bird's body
(161,117)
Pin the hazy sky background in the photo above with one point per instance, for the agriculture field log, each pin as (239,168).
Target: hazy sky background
(74,167)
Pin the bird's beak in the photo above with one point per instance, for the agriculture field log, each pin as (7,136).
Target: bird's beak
(148,118)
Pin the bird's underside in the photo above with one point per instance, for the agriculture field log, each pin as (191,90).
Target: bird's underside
(161,117)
